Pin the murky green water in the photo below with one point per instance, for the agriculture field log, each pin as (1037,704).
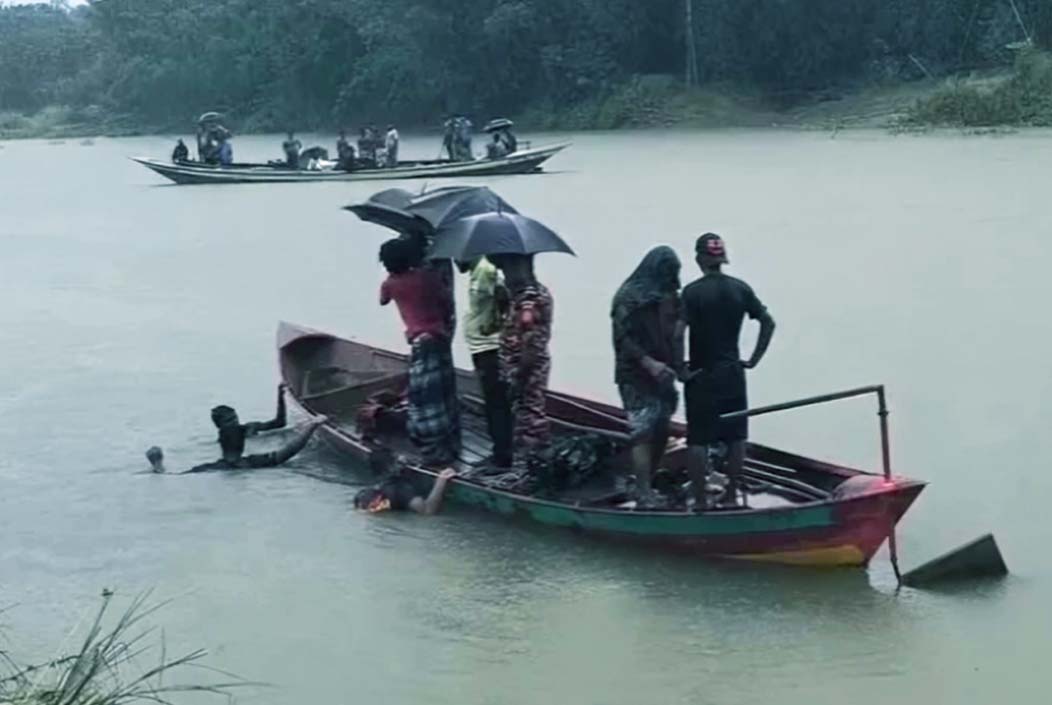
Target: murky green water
(130,308)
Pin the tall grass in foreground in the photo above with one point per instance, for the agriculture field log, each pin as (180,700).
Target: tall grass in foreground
(107,669)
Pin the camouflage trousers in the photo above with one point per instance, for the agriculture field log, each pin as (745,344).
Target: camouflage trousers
(533,434)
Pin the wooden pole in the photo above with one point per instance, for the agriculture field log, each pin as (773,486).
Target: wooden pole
(690,75)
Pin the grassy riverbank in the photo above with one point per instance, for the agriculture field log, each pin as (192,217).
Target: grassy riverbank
(1021,97)
(1017,96)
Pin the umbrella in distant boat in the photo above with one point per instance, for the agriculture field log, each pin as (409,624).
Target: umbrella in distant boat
(430,211)
(495,233)
(209,117)
(498,124)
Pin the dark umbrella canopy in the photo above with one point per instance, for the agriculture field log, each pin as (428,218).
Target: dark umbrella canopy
(444,206)
(498,124)
(495,234)
(430,211)
(388,208)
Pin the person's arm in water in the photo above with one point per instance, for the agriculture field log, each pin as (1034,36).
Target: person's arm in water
(290,449)
(266,460)
(279,420)
(433,502)
(758,312)
(385,293)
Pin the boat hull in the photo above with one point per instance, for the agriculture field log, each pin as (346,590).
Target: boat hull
(522,162)
(846,531)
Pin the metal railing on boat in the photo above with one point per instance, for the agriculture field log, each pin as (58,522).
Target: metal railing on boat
(882,412)
(885,447)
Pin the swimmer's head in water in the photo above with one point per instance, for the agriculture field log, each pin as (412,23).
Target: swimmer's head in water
(155,456)
(224,415)
(372,500)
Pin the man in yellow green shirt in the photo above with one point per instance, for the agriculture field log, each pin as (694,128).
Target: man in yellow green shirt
(482,333)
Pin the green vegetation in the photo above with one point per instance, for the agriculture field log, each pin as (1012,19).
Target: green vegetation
(104,670)
(124,65)
(1022,98)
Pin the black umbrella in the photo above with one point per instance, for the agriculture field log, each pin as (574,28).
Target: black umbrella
(444,206)
(388,208)
(498,124)
(430,211)
(496,233)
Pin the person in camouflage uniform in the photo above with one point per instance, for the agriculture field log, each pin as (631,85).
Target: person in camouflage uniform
(525,360)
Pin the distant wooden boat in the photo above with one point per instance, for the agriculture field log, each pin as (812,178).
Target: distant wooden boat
(803,511)
(523,161)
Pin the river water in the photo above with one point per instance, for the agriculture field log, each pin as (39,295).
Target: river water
(132,307)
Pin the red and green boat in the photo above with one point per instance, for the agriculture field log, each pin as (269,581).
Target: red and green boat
(801,511)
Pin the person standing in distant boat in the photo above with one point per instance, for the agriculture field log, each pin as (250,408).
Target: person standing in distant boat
(344,153)
(462,132)
(391,146)
(482,333)
(367,148)
(425,304)
(647,350)
(713,310)
(292,146)
(448,146)
(525,360)
(181,153)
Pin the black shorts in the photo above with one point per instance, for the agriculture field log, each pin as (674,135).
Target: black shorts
(710,393)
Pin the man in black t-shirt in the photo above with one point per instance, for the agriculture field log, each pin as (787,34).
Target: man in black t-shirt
(714,308)
(397,493)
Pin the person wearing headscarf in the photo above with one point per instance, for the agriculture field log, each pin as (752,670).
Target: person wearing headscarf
(291,147)
(645,314)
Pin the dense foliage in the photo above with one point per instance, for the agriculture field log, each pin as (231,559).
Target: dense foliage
(272,63)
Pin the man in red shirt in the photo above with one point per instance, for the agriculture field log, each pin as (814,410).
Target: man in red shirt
(425,303)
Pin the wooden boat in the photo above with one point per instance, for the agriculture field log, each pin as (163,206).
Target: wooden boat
(802,511)
(524,161)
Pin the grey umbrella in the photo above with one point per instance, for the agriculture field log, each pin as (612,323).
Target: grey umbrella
(496,233)
(429,211)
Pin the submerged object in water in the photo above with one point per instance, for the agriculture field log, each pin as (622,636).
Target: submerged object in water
(980,558)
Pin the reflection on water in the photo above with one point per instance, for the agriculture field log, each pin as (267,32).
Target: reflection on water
(131,309)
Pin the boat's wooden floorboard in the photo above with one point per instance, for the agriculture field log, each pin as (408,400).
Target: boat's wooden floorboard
(601,490)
